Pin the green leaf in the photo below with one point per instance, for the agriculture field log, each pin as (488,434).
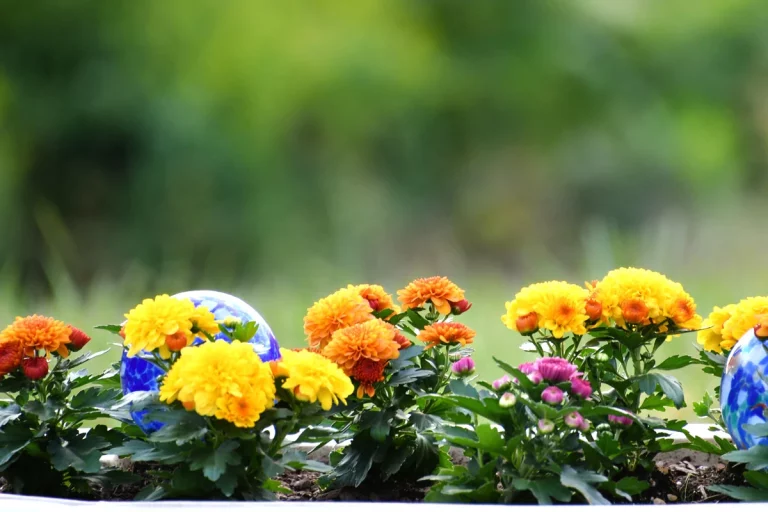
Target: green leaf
(463,388)
(416,320)
(81,453)
(489,439)
(758,479)
(669,385)
(703,408)
(95,397)
(227,483)
(150,493)
(756,458)
(14,438)
(67,364)
(741,493)
(405,358)
(178,428)
(355,463)
(383,314)
(759,430)
(9,413)
(424,421)
(656,403)
(676,362)
(544,489)
(632,485)
(114,329)
(395,460)
(44,412)
(582,481)
(214,462)
(377,422)
(408,375)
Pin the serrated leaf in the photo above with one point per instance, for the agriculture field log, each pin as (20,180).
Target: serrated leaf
(95,397)
(80,453)
(408,375)
(44,412)
(582,481)
(632,485)
(756,458)
(416,320)
(741,493)
(543,490)
(227,483)
(214,462)
(9,413)
(114,329)
(669,385)
(676,362)
(463,388)
(378,423)
(656,403)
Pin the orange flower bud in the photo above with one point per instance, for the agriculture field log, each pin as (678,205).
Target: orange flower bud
(78,339)
(176,341)
(122,332)
(634,311)
(594,309)
(189,405)
(761,329)
(527,324)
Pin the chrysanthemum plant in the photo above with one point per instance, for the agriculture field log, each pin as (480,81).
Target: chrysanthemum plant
(607,336)
(43,450)
(227,416)
(723,329)
(394,357)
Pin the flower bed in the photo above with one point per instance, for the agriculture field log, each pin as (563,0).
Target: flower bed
(392,388)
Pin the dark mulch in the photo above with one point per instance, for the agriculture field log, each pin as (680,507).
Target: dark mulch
(304,488)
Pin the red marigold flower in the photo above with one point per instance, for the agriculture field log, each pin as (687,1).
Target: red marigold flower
(527,324)
(11,352)
(367,372)
(78,339)
(35,368)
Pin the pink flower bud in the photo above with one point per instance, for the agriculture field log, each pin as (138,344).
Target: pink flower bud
(535,377)
(585,425)
(580,387)
(463,367)
(507,400)
(552,395)
(574,420)
(460,307)
(555,369)
(546,426)
(624,421)
(502,383)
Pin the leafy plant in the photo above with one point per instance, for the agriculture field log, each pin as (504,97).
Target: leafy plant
(44,448)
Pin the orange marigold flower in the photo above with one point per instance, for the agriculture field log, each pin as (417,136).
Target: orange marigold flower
(683,310)
(374,340)
(446,332)
(38,332)
(368,372)
(527,324)
(438,290)
(634,311)
(341,309)
(11,352)
(401,340)
(594,310)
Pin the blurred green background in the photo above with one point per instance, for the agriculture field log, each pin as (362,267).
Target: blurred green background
(280,150)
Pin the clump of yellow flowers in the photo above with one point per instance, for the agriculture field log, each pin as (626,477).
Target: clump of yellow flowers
(729,323)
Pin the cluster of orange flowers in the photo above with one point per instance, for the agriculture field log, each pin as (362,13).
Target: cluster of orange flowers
(343,327)
(28,342)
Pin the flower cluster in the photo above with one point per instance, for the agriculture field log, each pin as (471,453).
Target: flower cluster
(447,333)
(556,306)
(312,378)
(166,324)
(728,324)
(221,379)
(554,371)
(634,296)
(30,340)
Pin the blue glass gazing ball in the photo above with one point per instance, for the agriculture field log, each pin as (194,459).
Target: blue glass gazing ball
(744,389)
(137,374)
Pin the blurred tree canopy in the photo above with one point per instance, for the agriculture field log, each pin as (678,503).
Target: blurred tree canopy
(245,136)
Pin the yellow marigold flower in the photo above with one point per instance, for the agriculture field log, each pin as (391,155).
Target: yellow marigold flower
(728,324)
(440,291)
(313,378)
(374,340)
(448,333)
(224,380)
(38,332)
(558,306)
(341,309)
(149,324)
(377,297)
(640,296)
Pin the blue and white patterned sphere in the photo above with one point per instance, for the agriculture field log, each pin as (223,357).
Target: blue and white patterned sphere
(744,389)
(137,374)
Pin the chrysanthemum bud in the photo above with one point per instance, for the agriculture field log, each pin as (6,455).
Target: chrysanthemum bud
(527,324)
(464,367)
(585,425)
(546,426)
(634,311)
(624,421)
(502,383)
(176,342)
(401,340)
(122,332)
(231,321)
(552,395)
(35,368)
(601,356)
(460,307)
(594,309)
(374,303)
(581,387)
(574,420)
(507,400)
(535,377)
(78,339)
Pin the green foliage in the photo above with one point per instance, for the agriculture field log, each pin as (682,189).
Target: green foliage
(42,449)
